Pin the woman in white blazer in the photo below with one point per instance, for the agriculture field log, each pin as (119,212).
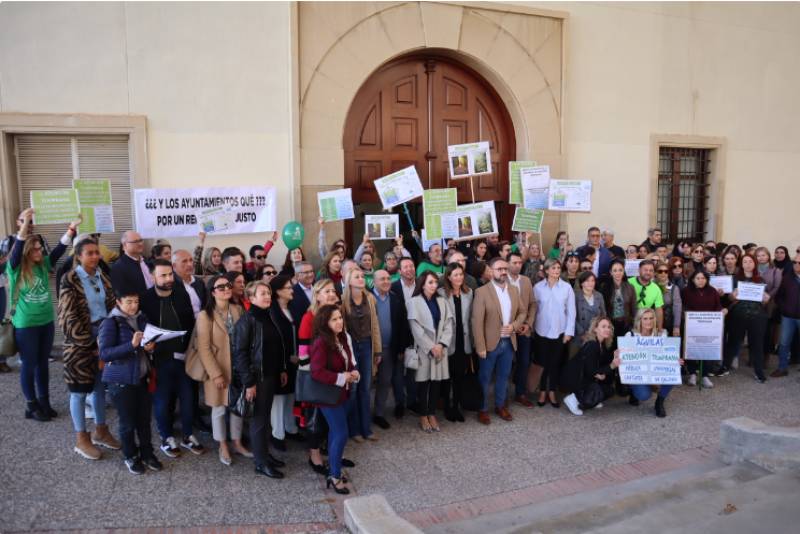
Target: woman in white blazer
(458,297)
(432,328)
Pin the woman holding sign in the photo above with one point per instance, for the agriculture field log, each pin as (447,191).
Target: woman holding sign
(700,296)
(28,271)
(747,317)
(645,325)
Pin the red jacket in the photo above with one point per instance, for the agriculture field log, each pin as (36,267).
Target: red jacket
(327,364)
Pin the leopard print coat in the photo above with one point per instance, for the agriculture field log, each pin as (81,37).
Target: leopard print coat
(81,362)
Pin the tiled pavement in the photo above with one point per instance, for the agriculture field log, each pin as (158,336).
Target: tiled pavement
(429,478)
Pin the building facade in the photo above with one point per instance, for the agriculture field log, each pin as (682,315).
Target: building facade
(682,114)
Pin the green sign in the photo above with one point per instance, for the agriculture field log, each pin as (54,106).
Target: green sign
(526,220)
(514,181)
(55,206)
(95,201)
(435,202)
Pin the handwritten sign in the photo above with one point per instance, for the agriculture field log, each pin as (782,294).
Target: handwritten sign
(650,360)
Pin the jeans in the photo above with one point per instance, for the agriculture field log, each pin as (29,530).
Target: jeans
(500,358)
(643,392)
(756,328)
(34,344)
(259,423)
(77,406)
(134,406)
(788,328)
(390,376)
(358,412)
(523,362)
(336,416)
(171,382)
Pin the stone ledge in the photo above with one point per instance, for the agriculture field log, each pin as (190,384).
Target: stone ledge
(772,447)
(371,514)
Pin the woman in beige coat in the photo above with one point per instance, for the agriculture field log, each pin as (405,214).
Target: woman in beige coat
(431,323)
(214,331)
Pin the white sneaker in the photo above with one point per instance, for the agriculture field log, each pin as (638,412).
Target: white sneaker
(735,363)
(692,380)
(572,404)
(599,405)
(707,383)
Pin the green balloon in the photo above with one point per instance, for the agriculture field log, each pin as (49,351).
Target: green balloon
(293,234)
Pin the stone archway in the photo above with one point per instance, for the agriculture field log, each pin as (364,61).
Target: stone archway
(518,50)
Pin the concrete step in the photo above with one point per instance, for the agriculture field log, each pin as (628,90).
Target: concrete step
(611,506)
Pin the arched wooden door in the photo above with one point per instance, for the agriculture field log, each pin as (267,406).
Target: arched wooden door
(408,112)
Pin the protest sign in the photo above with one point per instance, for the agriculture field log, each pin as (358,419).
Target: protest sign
(632,267)
(470,159)
(514,182)
(94,197)
(55,206)
(704,335)
(471,221)
(535,186)
(649,360)
(426,243)
(435,202)
(723,282)
(336,205)
(221,210)
(399,187)
(570,195)
(382,226)
(526,220)
(750,291)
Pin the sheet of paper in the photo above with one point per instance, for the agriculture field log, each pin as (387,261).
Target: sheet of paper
(632,267)
(382,226)
(535,186)
(399,187)
(649,360)
(55,206)
(94,197)
(436,202)
(151,331)
(526,220)
(704,335)
(570,195)
(336,205)
(750,291)
(723,282)
(514,182)
(469,159)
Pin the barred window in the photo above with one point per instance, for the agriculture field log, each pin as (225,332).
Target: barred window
(683,193)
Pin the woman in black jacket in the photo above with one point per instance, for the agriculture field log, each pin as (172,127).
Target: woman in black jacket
(259,368)
(589,376)
(282,418)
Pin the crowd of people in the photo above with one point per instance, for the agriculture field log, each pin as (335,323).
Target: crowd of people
(287,351)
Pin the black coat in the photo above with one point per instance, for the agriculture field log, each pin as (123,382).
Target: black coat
(127,277)
(592,359)
(179,298)
(250,338)
(288,331)
(298,305)
(401,333)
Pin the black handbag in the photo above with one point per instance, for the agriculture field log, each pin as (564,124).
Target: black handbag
(471,390)
(590,396)
(238,403)
(306,389)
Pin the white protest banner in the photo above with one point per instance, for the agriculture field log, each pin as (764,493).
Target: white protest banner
(750,291)
(382,226)
(399,187)
(570,195)
(336,205)
(650,360)
(426,243)
(704,335)
(95,200)
(472,221)
(535,187)
(723,282)
(514,182)
(178,212)
(632,267)
(470,159)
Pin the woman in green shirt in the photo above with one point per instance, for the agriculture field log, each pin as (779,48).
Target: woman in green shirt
(28,271)
(560,247)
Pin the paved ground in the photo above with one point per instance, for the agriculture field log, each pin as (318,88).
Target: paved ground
(47,487)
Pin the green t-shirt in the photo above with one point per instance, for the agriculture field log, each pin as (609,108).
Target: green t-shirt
(653,295)
(427,266)
(34,304)
(395,277)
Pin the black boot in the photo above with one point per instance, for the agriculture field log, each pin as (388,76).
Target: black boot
(44,404)
(633,401)
(34,411)
(660,412)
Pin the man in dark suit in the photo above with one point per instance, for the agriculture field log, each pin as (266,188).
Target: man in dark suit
(130,273)
(304,272)
(183,265)
(601,255)
(395,338)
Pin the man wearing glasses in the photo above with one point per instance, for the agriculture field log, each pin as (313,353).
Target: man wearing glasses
(130,274)
(304,273)
(648,293)
(594,248)
(653,239)
(788,299)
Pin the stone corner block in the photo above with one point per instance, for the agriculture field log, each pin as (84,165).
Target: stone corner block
(371,514)
(744,439)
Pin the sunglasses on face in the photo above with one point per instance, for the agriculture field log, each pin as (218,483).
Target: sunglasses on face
(662,271)
(260,257)
(677,266)
(796,262)
(222,287)
(270,273)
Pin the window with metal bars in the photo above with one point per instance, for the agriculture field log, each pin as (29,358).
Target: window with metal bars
(683,193)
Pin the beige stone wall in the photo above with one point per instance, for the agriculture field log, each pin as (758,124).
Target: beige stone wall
(341,44)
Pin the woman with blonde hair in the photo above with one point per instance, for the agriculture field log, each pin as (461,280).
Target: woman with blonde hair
(207,261)
(589,376)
